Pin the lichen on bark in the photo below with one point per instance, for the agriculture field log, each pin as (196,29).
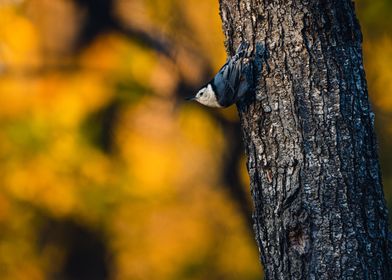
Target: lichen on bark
(308,131)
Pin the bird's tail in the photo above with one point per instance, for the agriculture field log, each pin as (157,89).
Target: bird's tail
(242,50)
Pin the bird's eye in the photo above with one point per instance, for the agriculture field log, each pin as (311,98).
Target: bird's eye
(201,94)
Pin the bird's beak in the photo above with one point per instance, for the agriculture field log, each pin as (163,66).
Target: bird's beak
(190,98)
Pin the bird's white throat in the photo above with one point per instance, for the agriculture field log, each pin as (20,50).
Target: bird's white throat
(207,96)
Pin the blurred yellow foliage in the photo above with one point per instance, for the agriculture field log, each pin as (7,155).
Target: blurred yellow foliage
(380,72)
(18,40)
(152,191)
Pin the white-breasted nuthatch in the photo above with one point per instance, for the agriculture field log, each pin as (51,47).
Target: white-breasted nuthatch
(232,81)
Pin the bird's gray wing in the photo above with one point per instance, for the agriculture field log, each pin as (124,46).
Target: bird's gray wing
(231,81)
(227,82)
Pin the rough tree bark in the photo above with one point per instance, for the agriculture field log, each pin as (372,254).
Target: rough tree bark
(308,131)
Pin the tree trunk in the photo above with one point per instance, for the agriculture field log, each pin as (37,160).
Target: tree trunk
(308,131)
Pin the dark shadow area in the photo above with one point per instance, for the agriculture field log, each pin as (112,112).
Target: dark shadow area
(99,18)
(86,253)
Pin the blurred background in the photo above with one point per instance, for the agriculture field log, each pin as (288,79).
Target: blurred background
(106,173)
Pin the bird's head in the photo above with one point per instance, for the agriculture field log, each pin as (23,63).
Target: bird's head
(206,96)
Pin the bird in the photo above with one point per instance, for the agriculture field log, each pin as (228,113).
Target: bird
(231,83)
